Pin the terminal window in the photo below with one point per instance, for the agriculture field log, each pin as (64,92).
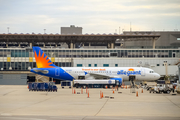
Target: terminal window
(105,65)
(79,65)
(113,54)
(89,65)
(178,38)
(95,65)
(116,65)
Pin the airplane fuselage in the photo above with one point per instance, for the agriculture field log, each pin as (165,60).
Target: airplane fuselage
(89,73)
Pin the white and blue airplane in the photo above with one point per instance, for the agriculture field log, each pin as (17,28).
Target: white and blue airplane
(47,68)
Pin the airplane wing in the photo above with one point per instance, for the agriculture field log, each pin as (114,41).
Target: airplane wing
(97,75)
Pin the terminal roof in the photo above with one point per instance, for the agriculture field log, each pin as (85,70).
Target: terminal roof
(75,38)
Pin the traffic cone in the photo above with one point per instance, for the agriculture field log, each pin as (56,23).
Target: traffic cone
(126,86)
(136,93)
(102,95)
(106,86)
(88,94)
(74,91)
(142,91)
(113,91)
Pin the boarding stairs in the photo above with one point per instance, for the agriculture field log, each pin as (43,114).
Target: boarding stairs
(40,78)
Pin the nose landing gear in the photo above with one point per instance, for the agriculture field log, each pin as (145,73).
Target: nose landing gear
(132,78)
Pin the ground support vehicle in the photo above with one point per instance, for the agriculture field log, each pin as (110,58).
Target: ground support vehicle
(178,88)
(46,87)
(151,89)
(30,86)
(160,88)
(66,84)
(40,86)
(166,89)
(52,87)
(96,83)
(148,88)
(35,86)
(144,86)
(171,87)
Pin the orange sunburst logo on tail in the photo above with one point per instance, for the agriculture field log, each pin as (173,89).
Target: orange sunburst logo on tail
(131,69)
(42,61)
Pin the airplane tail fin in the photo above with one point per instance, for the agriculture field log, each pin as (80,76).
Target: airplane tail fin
(42,61)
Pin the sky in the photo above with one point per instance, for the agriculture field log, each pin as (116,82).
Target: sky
(94,16)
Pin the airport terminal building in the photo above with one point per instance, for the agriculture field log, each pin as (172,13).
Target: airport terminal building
(158,50)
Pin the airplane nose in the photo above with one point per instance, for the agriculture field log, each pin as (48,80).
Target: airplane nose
(158,76)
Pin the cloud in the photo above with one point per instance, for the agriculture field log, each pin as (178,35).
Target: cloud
(97,16)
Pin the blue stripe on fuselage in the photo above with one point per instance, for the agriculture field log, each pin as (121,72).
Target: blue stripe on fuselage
(65,76)
(62,75)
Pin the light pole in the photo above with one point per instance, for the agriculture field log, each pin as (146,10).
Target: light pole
(115,30)
(52,62)
(8,29)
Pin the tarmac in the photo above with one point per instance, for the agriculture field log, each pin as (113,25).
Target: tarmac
(17,102)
